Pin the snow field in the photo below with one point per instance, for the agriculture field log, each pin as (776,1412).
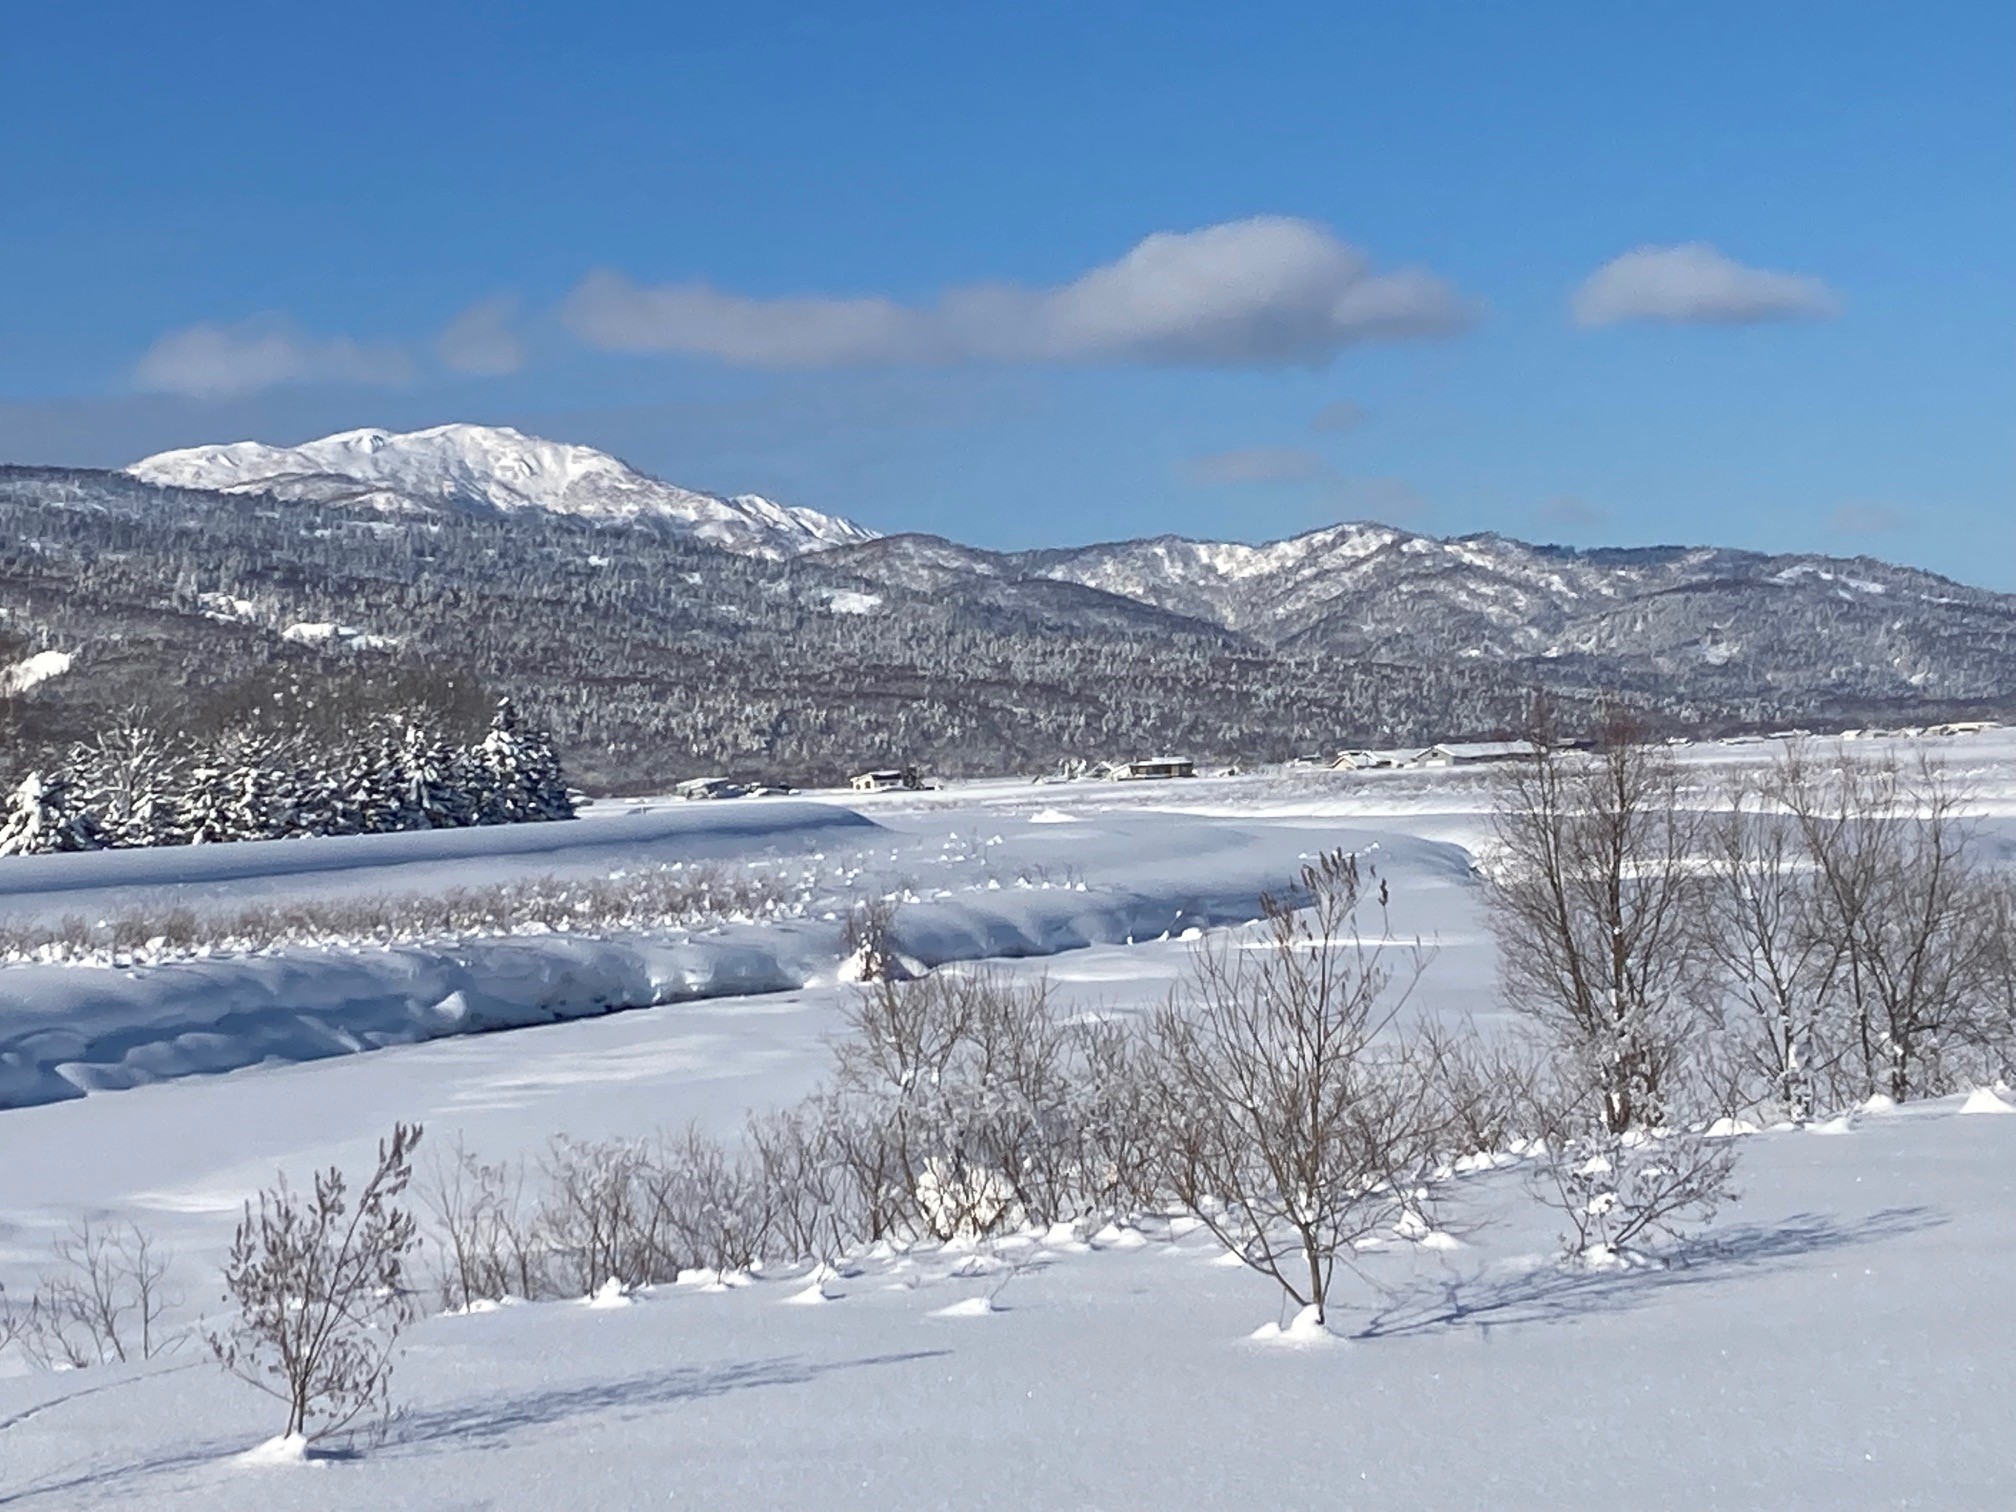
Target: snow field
(1798,1359)
(1838,1338)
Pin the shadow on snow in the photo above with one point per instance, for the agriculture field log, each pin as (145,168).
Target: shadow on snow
(1559,1292)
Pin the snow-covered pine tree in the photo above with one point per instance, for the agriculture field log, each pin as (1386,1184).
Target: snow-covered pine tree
(44,816)
(207,810)
(435,795)
(545,780)
(525,772)
(372,798)
(315,797)
(257,781)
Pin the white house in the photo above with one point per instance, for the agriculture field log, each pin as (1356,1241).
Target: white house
(882,782)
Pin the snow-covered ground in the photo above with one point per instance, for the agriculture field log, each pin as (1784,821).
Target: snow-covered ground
(1840,1338)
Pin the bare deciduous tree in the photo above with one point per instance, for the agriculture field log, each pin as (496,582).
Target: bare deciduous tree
(319,1283)
(1903,900)
(1282,1128)
(1595,891)
(1765,926)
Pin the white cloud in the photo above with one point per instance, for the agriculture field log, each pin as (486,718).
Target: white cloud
(1693,284)
(223,361)
(1257,464)
(1268,291)
(481,340)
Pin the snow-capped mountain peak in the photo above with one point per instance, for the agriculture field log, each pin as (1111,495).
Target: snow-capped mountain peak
(485,468)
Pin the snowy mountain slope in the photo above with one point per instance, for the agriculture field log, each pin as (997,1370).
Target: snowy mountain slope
(493,468)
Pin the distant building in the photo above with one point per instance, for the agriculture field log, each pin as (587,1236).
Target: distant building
(889,779)
(1152,769)
(1373,761)
(709,787)
(1478,752)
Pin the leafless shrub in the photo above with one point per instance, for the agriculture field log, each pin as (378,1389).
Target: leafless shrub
(963,1104)
(1595,899)
(598,1216)
(1118,1149)
(675,897)
(1491,1096)
(102,1301)
(868,942)
(319,1284)
(1621,1191)
(1993,1029)
(710,1201)
(815,1203)
(1283,1129)
(490,1248)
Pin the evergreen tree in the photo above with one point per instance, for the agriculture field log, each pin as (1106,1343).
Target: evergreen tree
(44,815)
(526,779)
(372,791)
(436,793)
(208,812)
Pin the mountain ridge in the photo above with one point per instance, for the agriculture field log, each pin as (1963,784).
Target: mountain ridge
(663,638)
(463,468)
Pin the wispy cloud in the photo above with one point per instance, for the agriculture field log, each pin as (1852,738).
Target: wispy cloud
(1858,518)
(227,361)
(1256,464)
(1694,284)
(1567,512)
(1391,501)
(1270,291)
(1337,417)
(482,339)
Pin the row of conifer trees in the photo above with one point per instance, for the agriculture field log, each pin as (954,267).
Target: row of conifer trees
(135,785)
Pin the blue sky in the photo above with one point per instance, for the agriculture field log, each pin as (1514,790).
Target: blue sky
(1055,273)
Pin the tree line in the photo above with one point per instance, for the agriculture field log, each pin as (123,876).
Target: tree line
(135,784)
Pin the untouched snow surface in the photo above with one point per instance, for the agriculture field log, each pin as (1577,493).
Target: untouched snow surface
(1839,1338)
(485,467)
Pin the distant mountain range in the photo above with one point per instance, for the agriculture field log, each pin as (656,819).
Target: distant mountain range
(1734,623)
(669,633)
